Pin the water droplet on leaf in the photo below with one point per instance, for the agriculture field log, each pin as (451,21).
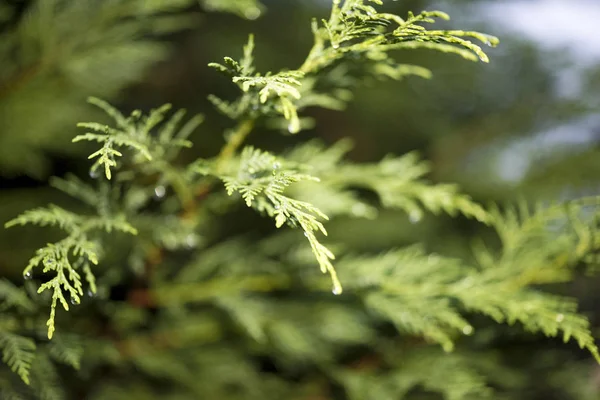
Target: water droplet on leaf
(337,290)
(467,329)
(276,165)
(414,217)
(74,300)
(94,173)
(191,241)
(90,293)
(159,192)
(335,45)
(49,262)
(294,127)
(27,275)
(560,317)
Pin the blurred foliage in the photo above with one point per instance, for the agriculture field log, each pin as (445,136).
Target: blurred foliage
(501,131)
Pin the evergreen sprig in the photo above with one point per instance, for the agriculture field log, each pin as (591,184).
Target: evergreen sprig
(261,179)
(13,296)
(55,257)
(202,302)
(154,147)
(66,349)
(55,46)
(399,183)
(355,30)
(133,132)
(18,353)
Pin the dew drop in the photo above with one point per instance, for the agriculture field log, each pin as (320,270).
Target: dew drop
(337,290)
(467,330)
(159,192)
(27,275)
(306,234)
(276,165)
(74,300)
(90,293)
(94,173)
(49,262)
(191,241)
(560,317)
(414,217)
(294,127)
(335,45)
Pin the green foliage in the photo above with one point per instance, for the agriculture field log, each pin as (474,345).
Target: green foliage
(133,132)
(452,376)
(55,257)
(47,384)
(66,350)
(81,249)
(398,182)
(18,353)
(12,296)
(354,30)
(52,51)
(181,305)
(261,180)
(249,9)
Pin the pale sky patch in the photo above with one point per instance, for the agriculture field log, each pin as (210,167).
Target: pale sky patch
(571,25)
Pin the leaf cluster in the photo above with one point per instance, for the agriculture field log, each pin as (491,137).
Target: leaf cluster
(51,51)
(355,31)
(208,310)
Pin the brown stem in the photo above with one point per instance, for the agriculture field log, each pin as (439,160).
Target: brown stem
(19,80)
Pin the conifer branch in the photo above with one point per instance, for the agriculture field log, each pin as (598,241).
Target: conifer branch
(66,349)
(399,183)
(235,139)
(80,249)
(115,42)
(56,256)
(12,296)
(18,353)
(261,181)
(256,297)
(354,29)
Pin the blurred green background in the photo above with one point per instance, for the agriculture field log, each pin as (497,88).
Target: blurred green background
(525,126)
